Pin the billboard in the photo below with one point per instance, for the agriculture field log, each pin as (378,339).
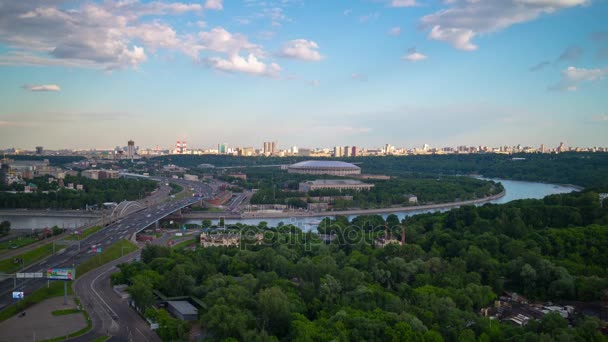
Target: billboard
(17,294)
(60,274)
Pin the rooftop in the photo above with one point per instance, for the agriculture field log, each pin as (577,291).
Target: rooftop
(334,182)
(324,164)
(185,308)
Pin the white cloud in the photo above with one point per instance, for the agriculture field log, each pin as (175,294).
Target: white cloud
(249,65)
(314,83)
(301,49)
(220,40)
(42,87)
(600,118)
(214,4)
(395,31)
(107,35)
(403,3)
(466,19)
(414,56)
(572,77)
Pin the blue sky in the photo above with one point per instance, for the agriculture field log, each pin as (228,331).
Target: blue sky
(306,73)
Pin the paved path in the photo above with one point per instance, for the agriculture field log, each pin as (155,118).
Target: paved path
(110,315)
(39,324)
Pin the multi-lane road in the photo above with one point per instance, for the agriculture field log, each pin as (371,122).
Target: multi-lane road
(159,206)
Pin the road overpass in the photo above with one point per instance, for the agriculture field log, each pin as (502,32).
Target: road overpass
(124,228)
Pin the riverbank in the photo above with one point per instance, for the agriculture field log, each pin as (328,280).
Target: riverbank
(251,215)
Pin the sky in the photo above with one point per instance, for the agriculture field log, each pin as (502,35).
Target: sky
(308,73)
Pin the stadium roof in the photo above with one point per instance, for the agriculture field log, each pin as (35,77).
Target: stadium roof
(324,164)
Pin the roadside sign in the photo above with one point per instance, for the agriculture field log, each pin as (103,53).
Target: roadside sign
(29,275)
(96,249)
(184,227)
(18,295)
(60,273)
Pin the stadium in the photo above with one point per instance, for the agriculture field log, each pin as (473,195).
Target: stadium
(329,167)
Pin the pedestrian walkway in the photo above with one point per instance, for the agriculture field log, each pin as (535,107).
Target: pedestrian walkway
(39,324)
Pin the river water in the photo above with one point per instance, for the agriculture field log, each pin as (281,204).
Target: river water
(514,190)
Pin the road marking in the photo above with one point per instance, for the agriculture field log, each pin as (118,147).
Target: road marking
(97,294)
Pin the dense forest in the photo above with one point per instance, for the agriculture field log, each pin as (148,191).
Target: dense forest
(293,287)
(96,192)
(385,193)
(583,169)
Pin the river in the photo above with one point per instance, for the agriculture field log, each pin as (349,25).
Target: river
(514,190)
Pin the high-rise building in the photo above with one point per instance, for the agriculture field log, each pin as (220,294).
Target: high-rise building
(388,149)
(266,149)
(561,148)
(39,150)
(337,151)
(270,148)
(130,149)
(222,148)
(353,152)
(346,151)
(542,148)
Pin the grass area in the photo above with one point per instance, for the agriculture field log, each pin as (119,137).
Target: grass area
(175,188)
(16,243)
(84,234)
(64,312)
(186,243)
(31,257)
(115,251)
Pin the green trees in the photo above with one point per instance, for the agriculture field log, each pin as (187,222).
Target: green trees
(5,228)
(142,295)
(96,192)
(431,289)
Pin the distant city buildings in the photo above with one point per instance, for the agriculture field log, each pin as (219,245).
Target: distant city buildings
(130,149)
(270,148)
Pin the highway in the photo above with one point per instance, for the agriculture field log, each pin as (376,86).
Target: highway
(124,228)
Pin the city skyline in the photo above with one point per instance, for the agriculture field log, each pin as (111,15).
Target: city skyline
(88,74)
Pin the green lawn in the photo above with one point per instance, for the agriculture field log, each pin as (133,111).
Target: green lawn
(186,243)
(84,234)
(113,252)
(63,312)
(31,257)
(16,243)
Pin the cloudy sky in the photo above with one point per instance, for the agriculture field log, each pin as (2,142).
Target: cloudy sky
(303,72)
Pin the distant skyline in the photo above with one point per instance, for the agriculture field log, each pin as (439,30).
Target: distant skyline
(87,74)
